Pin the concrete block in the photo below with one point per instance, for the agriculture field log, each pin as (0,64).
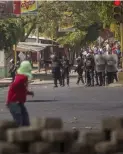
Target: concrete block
(106,147)
(79,147)
(76,134)
(24,147)
(57,135)
(47,123)
(91,138)
(112,123)
(5,124)
(55,153)
(62,147)
(22,134)
(2,134)
(7,148)
(117,136)
(40,148)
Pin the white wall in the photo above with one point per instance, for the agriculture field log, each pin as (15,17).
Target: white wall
(2,57)
(2,64)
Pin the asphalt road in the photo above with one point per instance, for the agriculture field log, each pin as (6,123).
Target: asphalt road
(78,106)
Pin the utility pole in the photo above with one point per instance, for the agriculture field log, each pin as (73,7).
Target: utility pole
(38,53)
(37,32)
(121,40)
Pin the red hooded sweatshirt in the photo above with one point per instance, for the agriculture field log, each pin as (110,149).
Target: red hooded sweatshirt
(18,90)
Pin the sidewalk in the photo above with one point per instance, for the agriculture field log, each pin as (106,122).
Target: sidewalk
(39,78)
(113,85)
(7,81)
(43,76)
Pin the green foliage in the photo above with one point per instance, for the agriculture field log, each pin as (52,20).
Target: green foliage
(72,38)
(105,11)
(9,33)
(51,14)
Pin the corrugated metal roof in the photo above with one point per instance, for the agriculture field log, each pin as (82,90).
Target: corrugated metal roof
(30,46)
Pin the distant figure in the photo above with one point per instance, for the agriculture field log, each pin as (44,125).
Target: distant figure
(89,66)
(100,63)
(56,71)
(65,71)
(79,70)
(111,67)
(12,69)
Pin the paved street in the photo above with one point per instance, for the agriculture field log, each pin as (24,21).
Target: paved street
(78,106)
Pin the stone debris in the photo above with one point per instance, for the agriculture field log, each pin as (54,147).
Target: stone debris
(47,123)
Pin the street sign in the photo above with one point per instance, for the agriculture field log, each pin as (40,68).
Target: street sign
(28,6)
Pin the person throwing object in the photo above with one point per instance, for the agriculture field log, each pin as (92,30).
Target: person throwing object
(17,94)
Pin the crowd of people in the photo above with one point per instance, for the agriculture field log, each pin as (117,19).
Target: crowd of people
(99,68)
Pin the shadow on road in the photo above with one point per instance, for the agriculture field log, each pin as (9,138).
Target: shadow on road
(38,101)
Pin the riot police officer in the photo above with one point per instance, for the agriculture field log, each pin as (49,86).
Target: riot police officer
(96,74)
(56,70)
(100,63)
(111,66)
(65,71)
(79,70)
(89,66)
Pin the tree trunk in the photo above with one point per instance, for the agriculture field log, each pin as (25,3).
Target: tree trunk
(23,36)
(29,31)
(72,55)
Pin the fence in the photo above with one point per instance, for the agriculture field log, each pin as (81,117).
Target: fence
(47,136)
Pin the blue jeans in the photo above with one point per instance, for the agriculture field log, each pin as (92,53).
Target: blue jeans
(19,114)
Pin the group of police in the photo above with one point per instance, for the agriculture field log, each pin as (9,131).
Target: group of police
(100,69)
(60,70)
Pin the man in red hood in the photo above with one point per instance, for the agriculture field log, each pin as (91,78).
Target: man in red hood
(17,94)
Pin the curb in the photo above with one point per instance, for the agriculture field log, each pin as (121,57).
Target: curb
(40,83)
(46,78)
(7,84)
(115,85)
(4,85)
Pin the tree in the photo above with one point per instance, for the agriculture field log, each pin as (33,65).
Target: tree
(50,15)
(9,33)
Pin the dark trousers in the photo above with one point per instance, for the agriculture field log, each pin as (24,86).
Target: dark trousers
(80,77)
(57,77)
(90,77)
(110,77)
(101,77)
(13,76)
(115,76)
(96,78)
(65,75)
(19,114)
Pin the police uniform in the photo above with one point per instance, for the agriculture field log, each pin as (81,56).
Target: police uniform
(79,70)
(65,71)
(89,66)
(111,67)
(56,71)
(100,63)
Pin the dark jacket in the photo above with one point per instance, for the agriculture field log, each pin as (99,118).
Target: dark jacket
(89,63)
